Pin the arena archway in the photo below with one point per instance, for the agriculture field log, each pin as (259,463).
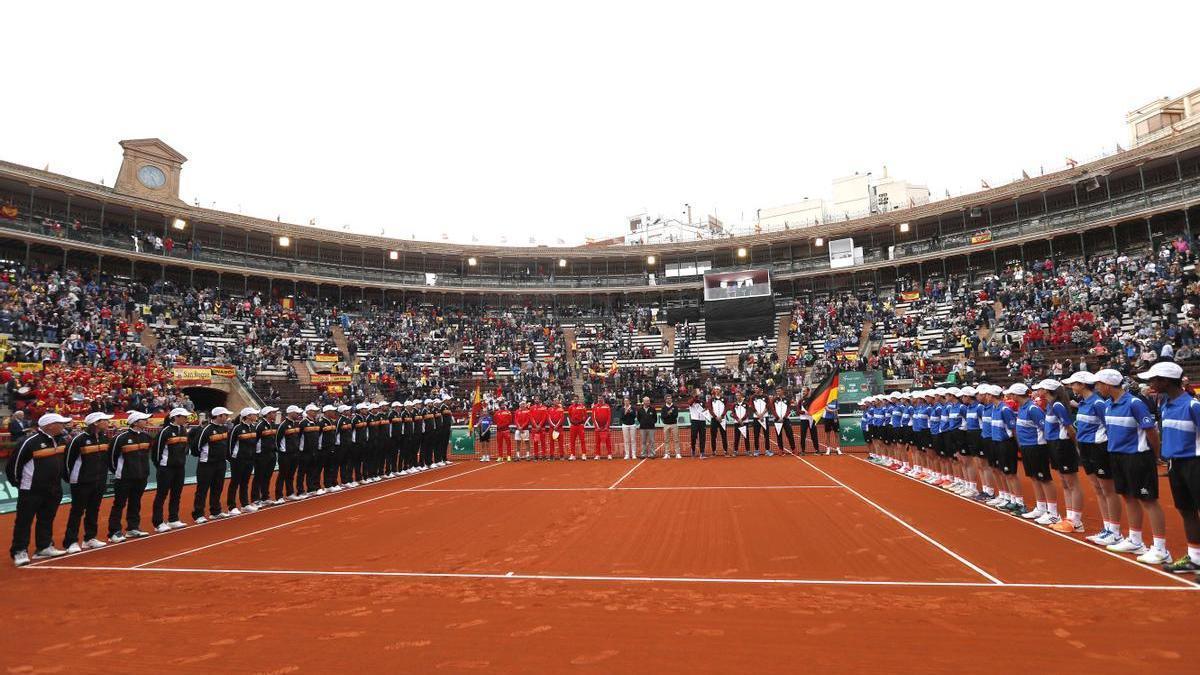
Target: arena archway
(206,398)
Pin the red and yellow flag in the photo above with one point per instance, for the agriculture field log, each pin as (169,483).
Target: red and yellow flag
(827,391)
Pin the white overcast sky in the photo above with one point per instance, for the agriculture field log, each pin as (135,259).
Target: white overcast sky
(560,119)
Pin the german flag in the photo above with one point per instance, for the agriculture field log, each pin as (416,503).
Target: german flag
(827,391)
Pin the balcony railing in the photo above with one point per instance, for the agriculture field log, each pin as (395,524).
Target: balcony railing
(111,242)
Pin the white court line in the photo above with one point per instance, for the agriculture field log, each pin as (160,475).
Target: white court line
(155,536)
(635,466)
(309,517)
(511,576)
(1090,547)
(914,530)
(626,489)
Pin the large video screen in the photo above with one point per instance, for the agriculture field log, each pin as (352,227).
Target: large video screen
(740,284)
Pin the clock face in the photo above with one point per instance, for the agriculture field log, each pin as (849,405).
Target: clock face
(151,176)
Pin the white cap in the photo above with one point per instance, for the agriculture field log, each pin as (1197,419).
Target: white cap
(217,411)
(135,417)
(1167,369)
(967,391)
(92,418)
(248,411)
(329,408)
(1082,377)
(429,400)
(1048,385)
(343,408)
(360,406)
(294,409)
(1017,388)
(176,412)
(397,404)
(268,410)
(954,391)
(54,418)
(312,407)
(1110,377)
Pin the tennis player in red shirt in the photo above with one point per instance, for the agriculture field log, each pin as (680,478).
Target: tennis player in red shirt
(537,417)
(502,419)
(577,414)
(602,418)
(555,414)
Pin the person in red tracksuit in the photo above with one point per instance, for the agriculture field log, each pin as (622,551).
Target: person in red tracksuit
(522,422)
(577,414)
(502,420)
(537,418)
(554,420)
(601,418)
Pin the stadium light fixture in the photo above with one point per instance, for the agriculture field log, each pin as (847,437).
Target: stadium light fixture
(562,262)
(393,255)
(742,252)
(904,227)
(179,224)
(285,242)
(649,260)
(472,261)
(820,241)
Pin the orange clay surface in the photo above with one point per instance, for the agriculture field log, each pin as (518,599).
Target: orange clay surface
(763,565)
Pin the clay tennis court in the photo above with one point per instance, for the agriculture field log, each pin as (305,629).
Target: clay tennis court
(737,565)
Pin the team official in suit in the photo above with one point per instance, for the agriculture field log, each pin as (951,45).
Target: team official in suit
(86,471)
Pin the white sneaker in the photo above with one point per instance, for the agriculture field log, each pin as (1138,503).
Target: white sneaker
(21,558)
(177,524)
(277,502)
(1127,546)
(201,520)
(48,552)
(1155,557)
(162,527)
(994,501)
(1107,538)
(1038,512)
(116,538)
(74,547)
(136,534)
(321,491)
(94,543)
(249,508)
(235,511)
(1047,519)
(678,456)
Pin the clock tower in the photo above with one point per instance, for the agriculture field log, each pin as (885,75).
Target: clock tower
(150,169)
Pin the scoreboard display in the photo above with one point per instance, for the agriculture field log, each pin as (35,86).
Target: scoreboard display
(739,284)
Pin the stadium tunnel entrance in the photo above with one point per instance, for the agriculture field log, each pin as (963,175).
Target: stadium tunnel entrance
(206,398)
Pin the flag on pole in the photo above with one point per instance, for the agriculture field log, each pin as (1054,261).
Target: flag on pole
(476,406)
(827,391)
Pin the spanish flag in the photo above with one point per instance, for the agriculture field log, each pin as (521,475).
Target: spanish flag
(476,406)
(827,391)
